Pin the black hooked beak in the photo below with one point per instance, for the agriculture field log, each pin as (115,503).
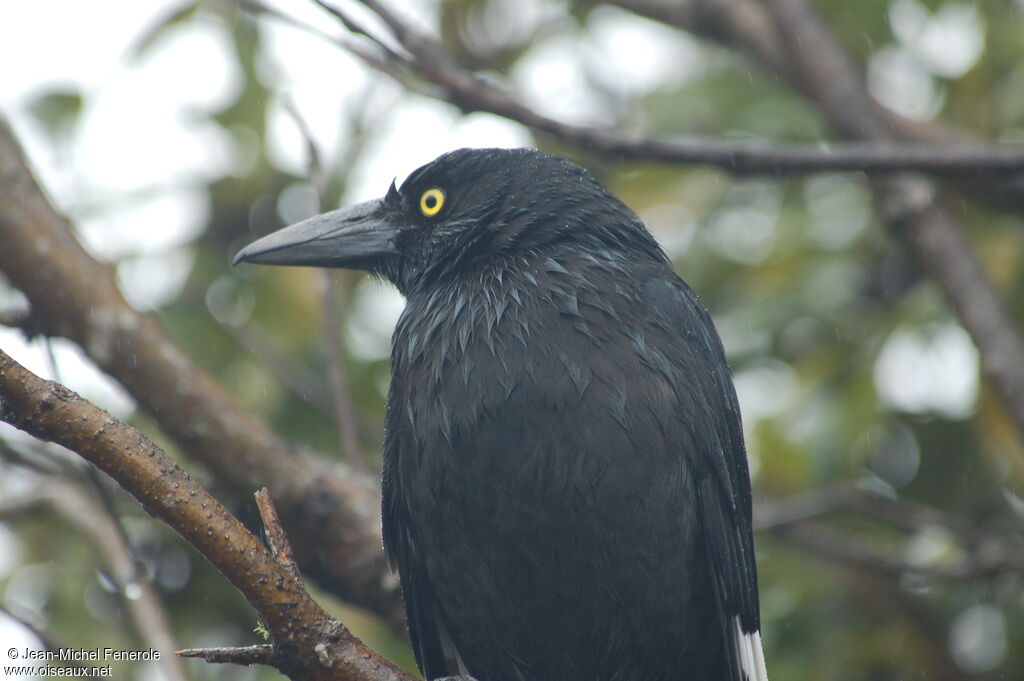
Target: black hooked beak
(352,237)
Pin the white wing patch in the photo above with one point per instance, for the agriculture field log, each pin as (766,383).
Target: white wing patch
(751,655)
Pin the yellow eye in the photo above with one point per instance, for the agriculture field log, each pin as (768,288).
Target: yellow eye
(431,201)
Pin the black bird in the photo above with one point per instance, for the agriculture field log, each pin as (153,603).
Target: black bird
(566,494)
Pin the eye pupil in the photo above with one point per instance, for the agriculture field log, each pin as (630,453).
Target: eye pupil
(431,201)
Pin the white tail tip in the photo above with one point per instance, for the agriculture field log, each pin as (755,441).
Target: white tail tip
(751,655)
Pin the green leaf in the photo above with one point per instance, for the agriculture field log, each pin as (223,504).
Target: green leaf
(57,110)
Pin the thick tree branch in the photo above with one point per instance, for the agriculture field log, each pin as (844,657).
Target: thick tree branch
(914,214)
(308,643)
(74,296)
(828,75)
(928,230)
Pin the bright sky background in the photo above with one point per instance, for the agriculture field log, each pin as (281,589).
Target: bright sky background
(132,179)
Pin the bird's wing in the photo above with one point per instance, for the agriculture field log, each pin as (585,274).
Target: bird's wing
(724,490)
(435,653)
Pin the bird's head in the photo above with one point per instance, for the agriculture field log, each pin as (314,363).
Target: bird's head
(464,209)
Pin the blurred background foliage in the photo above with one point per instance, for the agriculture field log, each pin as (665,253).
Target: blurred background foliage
(850,368)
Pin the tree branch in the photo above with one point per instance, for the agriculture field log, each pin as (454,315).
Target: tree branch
(914,214)
(427,60)
(308,643)
(277,540)
(829,77)
(74,296)
(244,655)
(926,227)
(748,27)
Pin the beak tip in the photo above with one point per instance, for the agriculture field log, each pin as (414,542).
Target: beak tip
(239,257)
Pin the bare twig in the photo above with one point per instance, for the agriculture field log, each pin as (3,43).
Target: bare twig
(354,26)
(748,27)
(472,93)
(390,66)
(243,655)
